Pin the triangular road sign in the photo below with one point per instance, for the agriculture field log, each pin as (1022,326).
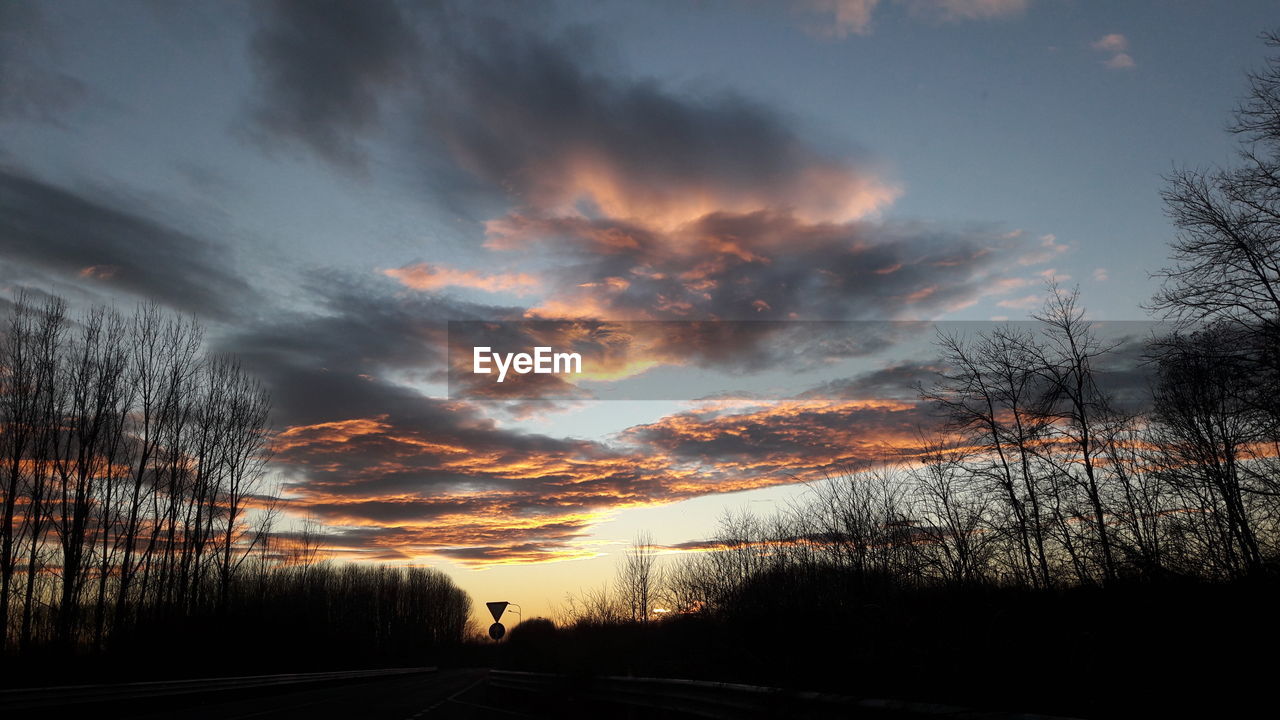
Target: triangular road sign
(496,609)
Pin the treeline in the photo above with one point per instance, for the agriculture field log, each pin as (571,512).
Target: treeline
(136,511)
(1037,476)
(1046,547)
(132,467)
(1087,528)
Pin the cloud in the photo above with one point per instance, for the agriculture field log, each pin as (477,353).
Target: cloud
(484,495)
(762,266)
(1100,275)
(781,442)
(525,115)
(93,239)
(355,350)
(436,477)
(323,67)
(1112,43)
(614,351)
(646,202)
(1121,61)
(511,114)
(848,17)
(1117,46)
(391,469)
(31,88)
(955,10)
(1025,302)
(843,18)
(424,276)
(1048,249)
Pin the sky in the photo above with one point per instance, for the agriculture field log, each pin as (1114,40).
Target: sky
(326,185)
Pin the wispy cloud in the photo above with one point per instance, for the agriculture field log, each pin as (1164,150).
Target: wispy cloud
(1112,43)
(1116,46)
(93,236)
(1121,61)
(33,88)
(842,18)
(1025,302)
(955,10)
(1048,249)
(424,276)
(326,91)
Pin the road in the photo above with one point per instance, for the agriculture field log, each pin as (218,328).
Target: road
(469,693)
(448,694)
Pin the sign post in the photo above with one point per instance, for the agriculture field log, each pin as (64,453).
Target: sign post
(497,630)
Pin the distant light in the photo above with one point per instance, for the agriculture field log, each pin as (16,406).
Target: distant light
(661,610)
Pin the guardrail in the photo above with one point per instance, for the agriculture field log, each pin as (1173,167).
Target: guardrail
(730,701)
(28,698)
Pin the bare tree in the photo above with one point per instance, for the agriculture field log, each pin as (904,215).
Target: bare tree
(88,442)
(954,535)
(640,581)
(1207,430)
(1227,253)
(1078,407)
(992,395)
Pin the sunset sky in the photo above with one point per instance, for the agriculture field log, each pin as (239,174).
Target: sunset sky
(326,185)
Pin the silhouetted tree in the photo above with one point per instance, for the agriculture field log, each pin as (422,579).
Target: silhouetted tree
(1226,257)
(640,581)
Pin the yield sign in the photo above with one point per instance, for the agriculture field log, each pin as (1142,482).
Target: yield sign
(496,609)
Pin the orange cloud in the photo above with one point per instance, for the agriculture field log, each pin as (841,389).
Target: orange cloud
(822,191)
(511,498)
(99,272)
(1114,42)
(848,17)
(423,276)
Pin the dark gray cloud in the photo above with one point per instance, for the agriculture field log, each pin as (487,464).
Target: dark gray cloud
(97,241)
(356,433)
(31,87)
(350,353)
(653,203)
(527,112)
(510,107)
(324,66)
(765,266)
(900,381)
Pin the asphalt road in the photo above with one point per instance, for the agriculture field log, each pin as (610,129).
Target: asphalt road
(435,695)
(445,694)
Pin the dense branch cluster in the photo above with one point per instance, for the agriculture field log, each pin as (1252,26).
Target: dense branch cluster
(1037,477)
(134,499)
